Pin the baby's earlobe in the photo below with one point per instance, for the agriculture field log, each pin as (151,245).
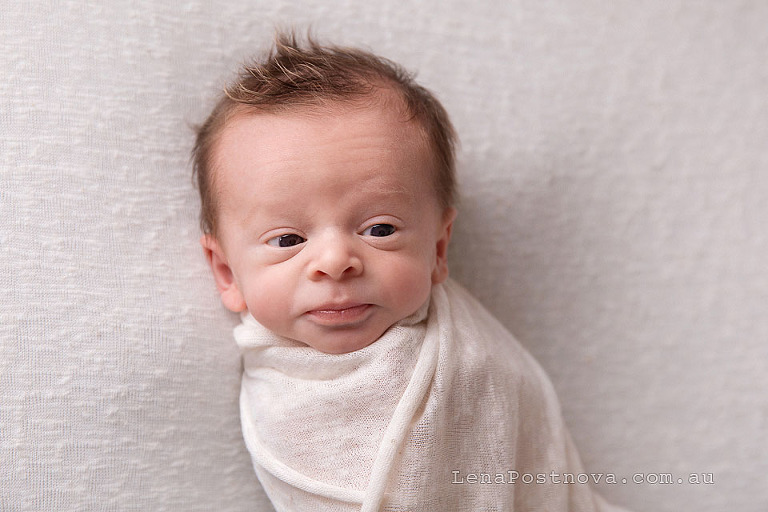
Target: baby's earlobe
(440,272)
(230,293)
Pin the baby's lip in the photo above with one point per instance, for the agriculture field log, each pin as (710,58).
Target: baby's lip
(338,314)
(338,306)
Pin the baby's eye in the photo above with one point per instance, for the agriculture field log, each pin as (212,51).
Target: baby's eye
(288,240)
(380,230)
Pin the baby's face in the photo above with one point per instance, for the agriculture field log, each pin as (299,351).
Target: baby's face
(329,227)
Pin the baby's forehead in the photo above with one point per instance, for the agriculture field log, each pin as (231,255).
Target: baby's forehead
(385,109)
(363,150)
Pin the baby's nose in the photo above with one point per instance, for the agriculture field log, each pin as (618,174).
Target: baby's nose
(334,257)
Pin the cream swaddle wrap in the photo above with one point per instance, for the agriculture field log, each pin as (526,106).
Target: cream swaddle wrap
(402,424)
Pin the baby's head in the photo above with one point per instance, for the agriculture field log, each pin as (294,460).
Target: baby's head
(327,184)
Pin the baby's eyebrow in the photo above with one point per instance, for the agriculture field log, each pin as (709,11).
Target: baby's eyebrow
(388,191)
(374,191)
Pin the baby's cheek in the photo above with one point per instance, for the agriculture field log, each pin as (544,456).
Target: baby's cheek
(266,301)
(412,282)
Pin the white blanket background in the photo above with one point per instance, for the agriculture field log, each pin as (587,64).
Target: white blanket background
(614,171)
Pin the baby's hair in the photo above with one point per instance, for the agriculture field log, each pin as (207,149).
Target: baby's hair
(293,76)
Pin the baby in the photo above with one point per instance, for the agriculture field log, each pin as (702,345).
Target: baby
(371,380)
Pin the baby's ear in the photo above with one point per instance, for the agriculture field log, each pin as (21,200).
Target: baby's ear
(231,296)
(440,272)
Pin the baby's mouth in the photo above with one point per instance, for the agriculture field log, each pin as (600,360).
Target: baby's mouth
(340,315)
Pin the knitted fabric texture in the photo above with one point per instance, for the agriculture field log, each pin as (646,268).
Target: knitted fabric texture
(446,411)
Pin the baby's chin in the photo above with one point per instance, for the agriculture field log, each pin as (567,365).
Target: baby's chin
(342,341)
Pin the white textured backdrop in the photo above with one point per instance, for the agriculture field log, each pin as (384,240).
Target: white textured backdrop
(614,173)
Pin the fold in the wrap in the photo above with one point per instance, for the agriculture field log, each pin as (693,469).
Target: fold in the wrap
(405,423)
